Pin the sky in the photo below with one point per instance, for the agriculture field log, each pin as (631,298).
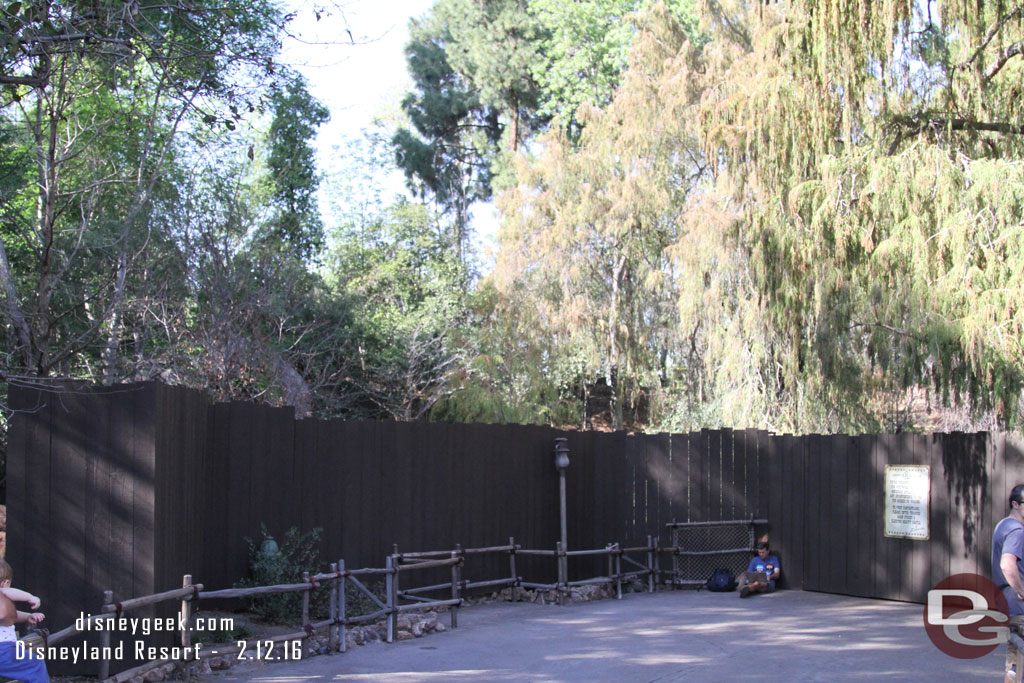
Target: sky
(354,61)
(353,56)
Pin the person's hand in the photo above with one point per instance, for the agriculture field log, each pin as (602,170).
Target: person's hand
(36,617)
(34,602)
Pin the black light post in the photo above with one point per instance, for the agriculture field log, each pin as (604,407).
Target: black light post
(561,463)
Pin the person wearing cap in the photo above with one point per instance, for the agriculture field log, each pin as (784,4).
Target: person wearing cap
(1008,567)
(752,581)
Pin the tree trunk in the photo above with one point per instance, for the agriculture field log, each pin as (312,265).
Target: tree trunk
(21,329)
(613,343)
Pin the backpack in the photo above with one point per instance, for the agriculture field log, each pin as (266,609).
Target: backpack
(722,581)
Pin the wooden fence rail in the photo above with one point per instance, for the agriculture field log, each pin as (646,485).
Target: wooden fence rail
(336,579)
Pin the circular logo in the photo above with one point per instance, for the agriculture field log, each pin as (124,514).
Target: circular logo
(966,616)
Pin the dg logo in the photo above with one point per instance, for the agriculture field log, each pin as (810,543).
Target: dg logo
(966,616)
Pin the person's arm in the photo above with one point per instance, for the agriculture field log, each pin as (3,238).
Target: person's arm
(1008,563)
(777,571)
(18,595)
(30,617)
(8,614)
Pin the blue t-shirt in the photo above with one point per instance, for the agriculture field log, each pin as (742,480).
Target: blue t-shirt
(1008,538)
(770,564)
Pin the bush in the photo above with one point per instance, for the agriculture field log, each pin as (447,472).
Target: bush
(297,553)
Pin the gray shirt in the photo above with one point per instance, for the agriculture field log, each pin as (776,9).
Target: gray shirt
(1008,538)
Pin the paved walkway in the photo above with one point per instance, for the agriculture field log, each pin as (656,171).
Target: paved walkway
(670,636)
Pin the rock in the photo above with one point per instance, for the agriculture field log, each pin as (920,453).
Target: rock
(417,629)
(152,675)
(440,627)
(404,635)
(219,663)
(404,622)
(429,621)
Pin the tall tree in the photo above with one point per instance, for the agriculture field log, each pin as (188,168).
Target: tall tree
(472,65)
(843,216)
(876,181)
(585,49)
(447,155)
(584,246)
(291,165)
(95,96)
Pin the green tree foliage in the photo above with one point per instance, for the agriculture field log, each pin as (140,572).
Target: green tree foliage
(291,166)
(96,94)
(586,48)
(583,255)
(495,44)
(447,154)
(797,221)
(397,270)
(877,186)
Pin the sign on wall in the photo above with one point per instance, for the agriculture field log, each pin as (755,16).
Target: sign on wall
(907,501)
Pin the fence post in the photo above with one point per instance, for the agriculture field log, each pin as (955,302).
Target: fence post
(332,609)
(305,601)
(650,563)
(342,631)
(618,572)
(512,567)
(456,580)
(562,579)
(104,672)
(611,562)
(389,586)
(186,614)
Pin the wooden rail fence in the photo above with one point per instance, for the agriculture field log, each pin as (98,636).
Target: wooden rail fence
(396,564)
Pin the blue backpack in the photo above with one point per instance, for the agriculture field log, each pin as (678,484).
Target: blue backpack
(721,581)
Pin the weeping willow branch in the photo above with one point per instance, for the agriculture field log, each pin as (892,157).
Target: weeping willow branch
(918,125)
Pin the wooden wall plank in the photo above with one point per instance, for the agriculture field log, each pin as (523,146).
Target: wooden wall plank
(938,548)
(840,486)
(680,445)
(793,509)
(699,474)
(960,475)
(661,473)
(817,512)
(859,555)
(889,563)
(744,458)
(714,474)
(634,465)
(97,504)
(731,499)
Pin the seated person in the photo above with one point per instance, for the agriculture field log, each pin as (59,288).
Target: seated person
(764,566)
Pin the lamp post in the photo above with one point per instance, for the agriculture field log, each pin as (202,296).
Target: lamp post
(561,463)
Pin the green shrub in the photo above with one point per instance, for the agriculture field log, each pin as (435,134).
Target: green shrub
(296,553)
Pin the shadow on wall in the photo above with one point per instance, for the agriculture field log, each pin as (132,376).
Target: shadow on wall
(967,482)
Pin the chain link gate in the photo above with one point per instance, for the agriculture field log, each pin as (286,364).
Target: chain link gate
(701,547)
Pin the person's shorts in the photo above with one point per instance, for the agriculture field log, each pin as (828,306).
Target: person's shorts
(27,669)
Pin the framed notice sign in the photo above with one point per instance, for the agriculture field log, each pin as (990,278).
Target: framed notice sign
(907,501)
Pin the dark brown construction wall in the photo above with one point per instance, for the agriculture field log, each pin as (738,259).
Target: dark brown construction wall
(128,488)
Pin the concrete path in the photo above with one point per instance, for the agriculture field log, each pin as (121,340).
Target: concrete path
(670,636)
